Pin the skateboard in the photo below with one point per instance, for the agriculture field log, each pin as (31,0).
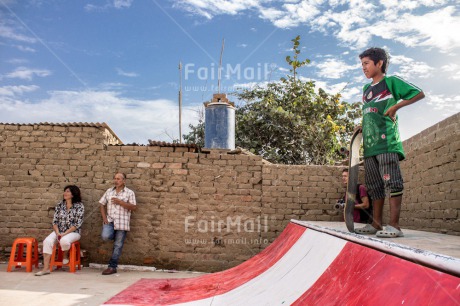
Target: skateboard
(353,172)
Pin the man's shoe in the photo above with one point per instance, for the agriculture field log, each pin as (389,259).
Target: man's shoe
(109,271)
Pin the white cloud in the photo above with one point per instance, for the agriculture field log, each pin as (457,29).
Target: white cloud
(414,23)
(111,86)
(347,92)
(292,14)
(409,68)
(334,69)
(351,94)
(348,25)
(24,73)
(24,48)
(449,103)
(122,3)
(356,25)
(92,7)
(211,8)
(394,5)
(271,14)
(12,33)
(438,29)
(132,120)
(453,71)
(12,91)
(126,74)
(17,61)
(450,67)
(117,4)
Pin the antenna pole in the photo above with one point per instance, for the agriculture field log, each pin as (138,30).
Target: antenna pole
(219,72)
(180,102)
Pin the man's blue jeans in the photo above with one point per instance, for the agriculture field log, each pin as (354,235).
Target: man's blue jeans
(118,237)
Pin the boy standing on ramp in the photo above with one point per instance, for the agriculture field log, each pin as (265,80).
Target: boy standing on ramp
(382,144)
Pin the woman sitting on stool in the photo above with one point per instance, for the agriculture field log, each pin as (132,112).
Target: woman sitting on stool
(67,221)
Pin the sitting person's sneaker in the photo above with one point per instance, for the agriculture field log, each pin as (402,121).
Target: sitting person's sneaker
(109,271)
(65,260)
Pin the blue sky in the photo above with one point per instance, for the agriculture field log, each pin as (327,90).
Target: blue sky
(117,61)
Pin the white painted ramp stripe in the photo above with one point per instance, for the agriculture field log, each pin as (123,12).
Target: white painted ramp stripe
(287,279)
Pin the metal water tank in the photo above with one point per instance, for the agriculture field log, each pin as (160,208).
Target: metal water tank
(219,123)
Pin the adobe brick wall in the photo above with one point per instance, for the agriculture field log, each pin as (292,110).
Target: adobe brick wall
(300,192)
(205,212)
(432,179)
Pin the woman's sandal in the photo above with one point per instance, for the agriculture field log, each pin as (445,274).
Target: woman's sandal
(41,273)
(65,260)
(389,232)
(366,230)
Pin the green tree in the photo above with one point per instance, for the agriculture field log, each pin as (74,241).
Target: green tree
(290,122)
(295,63)
(196,134)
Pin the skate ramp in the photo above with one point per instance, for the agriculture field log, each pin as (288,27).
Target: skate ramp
(310,265)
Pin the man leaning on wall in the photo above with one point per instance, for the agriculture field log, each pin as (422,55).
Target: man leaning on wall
(117,203)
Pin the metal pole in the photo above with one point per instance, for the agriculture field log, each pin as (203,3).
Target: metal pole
(180,102)
(219,72)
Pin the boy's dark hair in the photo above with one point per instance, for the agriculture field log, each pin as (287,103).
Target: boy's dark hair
(75,191)
(345,170)
(376,55)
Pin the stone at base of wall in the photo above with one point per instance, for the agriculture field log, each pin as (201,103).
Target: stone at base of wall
(124,267)
(139,268)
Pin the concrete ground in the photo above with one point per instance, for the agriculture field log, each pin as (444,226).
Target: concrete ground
(85,287)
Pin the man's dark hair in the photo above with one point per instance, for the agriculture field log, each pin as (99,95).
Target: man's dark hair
(345,170)
(376,55)
(75,191)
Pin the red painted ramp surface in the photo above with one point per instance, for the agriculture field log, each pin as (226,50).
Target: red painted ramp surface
(363,276)
(170,291)
(305,267)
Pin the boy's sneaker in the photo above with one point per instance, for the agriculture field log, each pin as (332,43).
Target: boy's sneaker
(366,230)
